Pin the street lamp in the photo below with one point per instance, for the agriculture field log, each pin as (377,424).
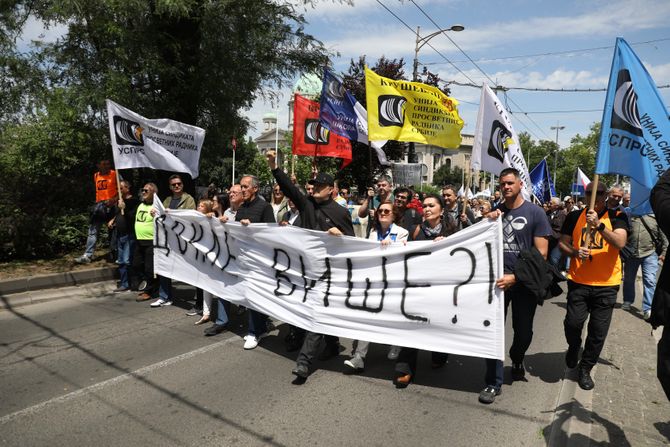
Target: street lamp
(420,42)
(556,128)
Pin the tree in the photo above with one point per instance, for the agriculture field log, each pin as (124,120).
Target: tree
(445,175)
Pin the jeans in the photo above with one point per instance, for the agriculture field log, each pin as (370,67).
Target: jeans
(92,238)
(649,267)
(165,288)
(523,314)
(126,247)
(597,304)
(258,323)
(555,258)
(221,311)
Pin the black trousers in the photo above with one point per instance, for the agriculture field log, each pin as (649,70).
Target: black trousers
(143,263)
(310,347)
(595,303)
(406,363)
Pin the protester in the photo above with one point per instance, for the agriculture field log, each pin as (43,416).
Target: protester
(454,209)
(593,279)
(279,203)
(556,217)
(484,210)
(254,210)
(178,200)
(569,204)
(409,217)
(386,232)
(124,224)
(143,259)
(342,201)
(317,212)
(105,198)
(383,195)
(205,207)
(614,197)
(436,225)
(221,204)
(660,308)
(292,217)
(644,239)
(524,226)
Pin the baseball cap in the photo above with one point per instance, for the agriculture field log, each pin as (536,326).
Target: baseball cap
(566,198)
(322,179)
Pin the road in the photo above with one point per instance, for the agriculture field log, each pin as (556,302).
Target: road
(95,368)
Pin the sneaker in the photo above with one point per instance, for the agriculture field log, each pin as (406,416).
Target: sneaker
(142,286)
(625,305)
(301,371)
(488,394)
(354,365)
(194,311)
(571,357)
(518,371)
(585,381)
(83,259)
(330,351)
(121,290)
(646,315)
(251,341)
(394,351)
(214,329)
(160,302)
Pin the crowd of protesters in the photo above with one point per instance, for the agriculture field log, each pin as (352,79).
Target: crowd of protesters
(595,250)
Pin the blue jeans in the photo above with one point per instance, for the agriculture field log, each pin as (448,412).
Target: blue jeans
(92,238)
(258,323)
(221,313)
(126,247)
(165,288)
(649,268)
(555,258)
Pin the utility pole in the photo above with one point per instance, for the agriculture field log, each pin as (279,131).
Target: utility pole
(557,127)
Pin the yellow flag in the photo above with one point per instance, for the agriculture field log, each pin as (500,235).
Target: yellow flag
(411,111)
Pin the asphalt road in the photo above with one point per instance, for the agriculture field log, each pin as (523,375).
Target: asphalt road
(100,369)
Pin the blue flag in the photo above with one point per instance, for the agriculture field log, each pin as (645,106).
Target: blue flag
(541,184)
(635,134)
(343,115)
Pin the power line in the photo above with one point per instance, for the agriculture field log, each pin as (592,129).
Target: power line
(426,43)
(475,64)
(554,90)
(552,53)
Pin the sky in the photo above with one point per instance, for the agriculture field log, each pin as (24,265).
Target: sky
(511,42)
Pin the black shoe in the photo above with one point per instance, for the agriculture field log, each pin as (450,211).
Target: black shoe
(121,290)
(571,357)
(293,343)
(585,381)
(194,311)
(301,371)
(488,394)
(215,329)
(518,371)
(330,351)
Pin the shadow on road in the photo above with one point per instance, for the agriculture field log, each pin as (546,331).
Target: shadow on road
(556,434)
(262,439)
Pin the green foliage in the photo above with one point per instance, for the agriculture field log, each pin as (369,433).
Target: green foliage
(427,189)
(448,176)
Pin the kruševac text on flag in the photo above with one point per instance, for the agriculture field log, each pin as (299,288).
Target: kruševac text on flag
(438,296)
(138,142)
(496,144)
(311,138)
(541,183)
(341,113)
(635,131)
(411,111)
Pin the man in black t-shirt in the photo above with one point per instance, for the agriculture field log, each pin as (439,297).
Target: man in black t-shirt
(124,222)
(410,216)
(525,225)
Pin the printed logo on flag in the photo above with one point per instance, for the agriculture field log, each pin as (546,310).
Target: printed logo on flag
(314,129)
(391,110)
(335,89)
(128,132)
(499,142)
(625,115)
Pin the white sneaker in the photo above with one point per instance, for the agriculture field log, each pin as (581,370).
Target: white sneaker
(394,352)
(251,341)
(160,302)
(646,315)
(356,363)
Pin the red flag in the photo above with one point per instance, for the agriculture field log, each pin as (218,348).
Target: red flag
(306,128)
(234,142)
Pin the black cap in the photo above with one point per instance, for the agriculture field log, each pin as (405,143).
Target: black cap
(322,179)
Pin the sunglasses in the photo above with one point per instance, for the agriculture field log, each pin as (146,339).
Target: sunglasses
(172,185)
(401,197)
(385,211)
(145,190)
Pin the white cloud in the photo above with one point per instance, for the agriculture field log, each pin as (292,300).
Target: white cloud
(35,30)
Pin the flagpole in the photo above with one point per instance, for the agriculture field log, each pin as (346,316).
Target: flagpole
(118,188)
(232,181)
(592,204)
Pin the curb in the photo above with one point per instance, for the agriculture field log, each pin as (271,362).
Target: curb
(55,280)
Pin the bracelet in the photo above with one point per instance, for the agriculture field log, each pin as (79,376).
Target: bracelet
(601,227)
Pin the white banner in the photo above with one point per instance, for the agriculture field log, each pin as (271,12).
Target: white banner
(438,296)
(138,142)
(497,145)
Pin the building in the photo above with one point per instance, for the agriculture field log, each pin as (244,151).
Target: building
(434,157)
(272,136)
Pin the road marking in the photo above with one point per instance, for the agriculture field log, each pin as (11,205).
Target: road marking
(113,381)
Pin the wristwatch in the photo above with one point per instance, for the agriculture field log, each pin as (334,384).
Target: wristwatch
(601,227)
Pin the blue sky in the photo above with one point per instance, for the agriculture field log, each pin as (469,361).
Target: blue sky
(504,39)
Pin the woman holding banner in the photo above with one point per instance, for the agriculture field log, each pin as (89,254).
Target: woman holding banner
(435,227)
(386,232)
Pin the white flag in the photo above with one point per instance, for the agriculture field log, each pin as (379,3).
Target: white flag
(138,142)
(496,144)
